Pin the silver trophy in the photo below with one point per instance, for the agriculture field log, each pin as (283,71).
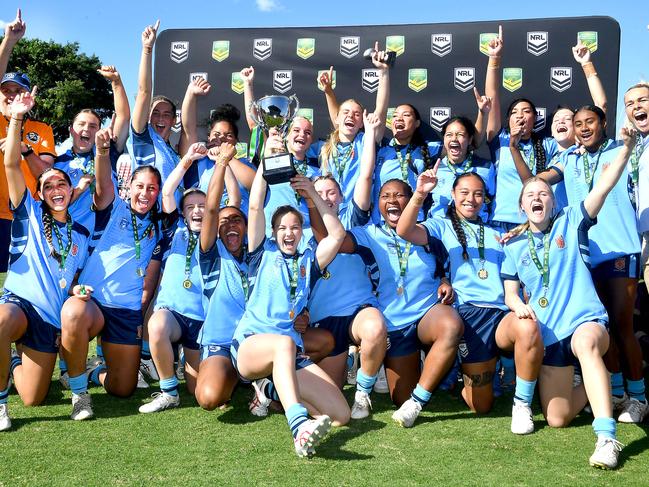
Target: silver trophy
(275,111)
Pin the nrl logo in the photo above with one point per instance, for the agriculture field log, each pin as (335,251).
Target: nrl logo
(589,39)
(237,83)
(439,116)
(537,42)
(441,44)
(179,51)
(512,78)
(177,126)
(464,78)
(539,123)
(283,80)
(242,150)
(305,47)
(220,50)
(370,80)
(560,78)
(396,44)
(194,76)
(350,46)
(333,79)
(262,48)
(306,113)
(417,79)
(485,39)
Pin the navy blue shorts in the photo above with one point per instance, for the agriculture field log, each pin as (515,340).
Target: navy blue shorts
(121,326)
(40,335)
(479,341)
(214,350)
(626,266)
(340,327)
(404,341)
(189,329)
(560,354)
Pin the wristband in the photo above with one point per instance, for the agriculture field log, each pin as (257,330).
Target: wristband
(494,63)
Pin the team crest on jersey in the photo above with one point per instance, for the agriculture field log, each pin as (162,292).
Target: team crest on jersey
(179,51)
(242,150)
(74,250)
(33,137)
(194,76)
(512,79)
(262,48)
(237,83)
(439,116)
(464,78)
(561,243)
(589,39)
(620,264)
(485,39)
(283,80)
(417,79)
(123,223)
(441,44)
(370,80)
(539,123)
(560,78)
(302,271)
(396,44)
(220,50)
(525,261)
(177,126)
(350,46)
(537,42)
(305,47)
(306,113)
(333,79)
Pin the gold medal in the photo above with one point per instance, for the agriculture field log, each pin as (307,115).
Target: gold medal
(483,274)
(187,283)
(62,283)
(400,290)
(291,314)
(139,272)
(543,302)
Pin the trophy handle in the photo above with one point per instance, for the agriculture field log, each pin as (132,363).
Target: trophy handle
(253,110)
(294,98)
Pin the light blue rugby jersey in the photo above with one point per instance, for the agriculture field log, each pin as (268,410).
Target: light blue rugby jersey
(377,249)
(149,149)
(505,207)
(571,295)
(223,294)
(616,233)
(348,285)
(388,167)
(33,274)
(112,265)
(446,177)
(172,293)
(464,273)
(269,305)
(205,168)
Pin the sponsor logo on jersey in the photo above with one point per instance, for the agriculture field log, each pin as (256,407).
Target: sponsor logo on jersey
(439,116)
(176,126)
(537,42)
(589,38)
(305,47)
(464,78)
(417,79)
(512,78)
(539,123)
(283,80)
(123,223)
(242,150)
(179,51)
(262,48)
(350,46)
(195,76)
(485,39)
(220,50)
(560,78)
(441,44)
(333,80)
(33,137)
(370,80)
(396,44)
(306,113)
(236,84)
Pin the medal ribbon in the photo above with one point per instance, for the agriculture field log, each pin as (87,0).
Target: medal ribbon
(63,251)
(479,237)
(589,170)
(403,256)
(342,158)
(404,162)
(544,268)
(464,168)
(638,149)
(191,245)
(136,238)
(292,275)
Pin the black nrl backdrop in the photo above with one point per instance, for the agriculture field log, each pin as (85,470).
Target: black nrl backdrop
(436,68)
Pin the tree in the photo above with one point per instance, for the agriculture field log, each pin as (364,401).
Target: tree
(67,82)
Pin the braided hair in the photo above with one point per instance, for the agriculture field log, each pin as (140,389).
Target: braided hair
(46,216)
(540,156)
(451,213)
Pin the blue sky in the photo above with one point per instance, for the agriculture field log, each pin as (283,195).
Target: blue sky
(111,30)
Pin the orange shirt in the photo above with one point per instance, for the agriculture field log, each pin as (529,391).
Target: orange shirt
(40,137)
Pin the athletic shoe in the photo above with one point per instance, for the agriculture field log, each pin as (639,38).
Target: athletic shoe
(381,384)
(407,413)
(141,381)
(634,411)
(606,452)
(522,422)
(362,405)
(81,407)
(64,380)
(259,404)
(619,403)
(147,367)
(5,421)
(310,434)
(352,365)
(161,401)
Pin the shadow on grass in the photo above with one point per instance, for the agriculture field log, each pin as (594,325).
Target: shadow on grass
(333,447)
(635,448)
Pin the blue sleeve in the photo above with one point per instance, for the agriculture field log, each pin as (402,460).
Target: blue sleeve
(102,218)
(508,271)
(143,148)
(254,258)
(434,227)
(21,212)
(438,250)
(353,216)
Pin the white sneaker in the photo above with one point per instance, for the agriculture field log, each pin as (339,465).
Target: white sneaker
(81,407)
(161,401)
(619,403)
(407,413)
(64,380)
(606,453)
(310,434)
(5,421)
(141,381)
(381,384)
(258,406)
(634,411)
(353,370)
(362,405)
(522,422)
(147,367)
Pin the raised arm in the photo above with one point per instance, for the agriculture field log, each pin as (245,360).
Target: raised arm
(610,176)
(14,31)
(232,187)
(21,104)
(492,84)
(196,151)
(248,75)
(383,91)
(104,189)
(210,230)
(243,172)
(144,86)
(326,80)
(363,189)
(582,55)
(408,228)
(189,135)
(524,172)
(120,102)
(484,107)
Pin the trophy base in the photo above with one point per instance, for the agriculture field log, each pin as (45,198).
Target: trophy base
(279,168)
